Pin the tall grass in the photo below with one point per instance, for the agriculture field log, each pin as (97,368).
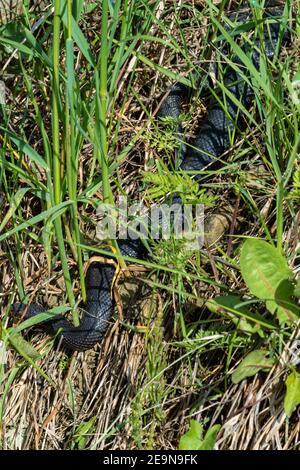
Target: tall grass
(85,88)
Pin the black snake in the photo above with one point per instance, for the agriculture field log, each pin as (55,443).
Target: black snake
(210,143)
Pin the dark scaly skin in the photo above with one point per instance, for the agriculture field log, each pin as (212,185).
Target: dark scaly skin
(210,143)
(213,138)
(98,309)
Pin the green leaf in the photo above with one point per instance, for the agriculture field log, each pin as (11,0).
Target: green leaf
(26,148)
(24,347)
(56,210)
(16,45)
(239,314)
(163,70)
(265,271)
(41,317)
(36,47)
(297,289)
(83,432)
(292,396)
(284,307)
(209,440)
(79,37)
(26,350)
(254,362)
(90,7)
(165,181)
(247,62)
(13,205)
(193,438)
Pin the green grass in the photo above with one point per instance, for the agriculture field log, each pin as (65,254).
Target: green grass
(78,128)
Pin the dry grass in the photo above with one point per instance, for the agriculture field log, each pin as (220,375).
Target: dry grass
(138,388)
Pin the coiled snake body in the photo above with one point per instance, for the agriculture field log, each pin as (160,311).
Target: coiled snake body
(210,143)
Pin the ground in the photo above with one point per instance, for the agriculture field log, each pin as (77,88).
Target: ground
(169,355)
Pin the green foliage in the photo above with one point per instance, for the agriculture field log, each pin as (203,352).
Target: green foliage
(254,362)
(93,88)
(233,306)
(164,182)
(147,405)
(26,350)
(24,347)
(267,275)
(64,362)
(164,141)
(297,289)
(295,193)
(83,432)
(193,439)
(292,396)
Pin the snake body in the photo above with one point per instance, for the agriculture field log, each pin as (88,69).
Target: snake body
(210,143)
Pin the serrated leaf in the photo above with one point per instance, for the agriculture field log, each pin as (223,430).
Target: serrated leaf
(254,362)
(292,396)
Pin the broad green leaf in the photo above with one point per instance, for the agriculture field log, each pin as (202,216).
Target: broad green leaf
(192,439)
(209,440)
(12,31)
(265,271)
(283,306)
(292,396)
(263,268)
(254,362)
(297,289)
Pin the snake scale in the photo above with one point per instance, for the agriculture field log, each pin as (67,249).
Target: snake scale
(209,144)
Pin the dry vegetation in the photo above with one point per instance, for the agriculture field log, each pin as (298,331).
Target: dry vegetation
(141,386)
